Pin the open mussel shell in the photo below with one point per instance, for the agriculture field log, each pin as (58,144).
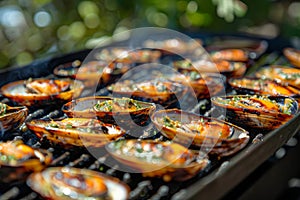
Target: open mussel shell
(204,85)
(166,160)
(57,183)
(293,55)
(263,86)
(17,160)
(264,113)
(212,135)
(76,131)
(92,73)
(233,55)
(176,46)
(12,117)
(255,47)
(127,55)
(164,93)
(226,68)
(127,119)
(281,73)
(42,92)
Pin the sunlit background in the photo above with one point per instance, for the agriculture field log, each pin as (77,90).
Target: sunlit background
(34,29)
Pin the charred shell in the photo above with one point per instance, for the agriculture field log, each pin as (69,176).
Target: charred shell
(19,160)
(42,92)
(166,160)
(76,131)
(71,183)
(208,133)
(260,112)
(12,117)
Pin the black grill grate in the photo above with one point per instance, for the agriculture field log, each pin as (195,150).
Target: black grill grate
(141,188)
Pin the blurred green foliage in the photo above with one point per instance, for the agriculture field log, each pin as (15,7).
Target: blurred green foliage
(32,29)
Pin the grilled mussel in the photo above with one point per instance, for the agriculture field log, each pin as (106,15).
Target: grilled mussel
(263,86)
(213,135)
(293,55)
(124,112)
(41,92)
(204,85)
(163,92)
(166,160)
(18,160)
(282,74)
(229,69)
(126,55)
(261,112)
(255,47)
(68,183)
(92,72)
(12,117)
(176,46)
(234,55)
(76,131)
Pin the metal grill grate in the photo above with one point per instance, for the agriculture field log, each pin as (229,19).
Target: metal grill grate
(141,188)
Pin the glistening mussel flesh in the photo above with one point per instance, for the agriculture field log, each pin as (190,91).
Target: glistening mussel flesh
(124,112)
(260,112)
(234,55)
(68,183)
(255,47)
(228,69)
(263,86)
(281,73)
(166,160)
(204,85)
(76,131)
(18,160)
(41,92)
(164,93)
(213,135)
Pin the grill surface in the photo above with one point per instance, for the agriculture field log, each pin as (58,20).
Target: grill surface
(213,183)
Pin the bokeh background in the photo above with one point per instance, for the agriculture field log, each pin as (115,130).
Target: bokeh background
(34,29)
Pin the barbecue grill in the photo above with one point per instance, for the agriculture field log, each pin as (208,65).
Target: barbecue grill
(221,180)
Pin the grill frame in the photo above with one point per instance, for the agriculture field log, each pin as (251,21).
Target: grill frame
(219,180)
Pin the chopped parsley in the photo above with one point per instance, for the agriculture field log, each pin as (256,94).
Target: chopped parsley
(118,104)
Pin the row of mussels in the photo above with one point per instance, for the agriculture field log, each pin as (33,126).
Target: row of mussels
(103,121)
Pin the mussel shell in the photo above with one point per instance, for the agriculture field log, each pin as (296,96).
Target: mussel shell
(259,119)
(67,136)
(233,55)
(293,55)
(48,186)
(260,86)
(226,68)
(255,47)
(13,118)
(281,73)
(92,73)
(173,162)
(237,139)
(68,69)
(208,85)
(175,46)
(127,55)
(16,92)
(166,98)
(19,171)
(84,108)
